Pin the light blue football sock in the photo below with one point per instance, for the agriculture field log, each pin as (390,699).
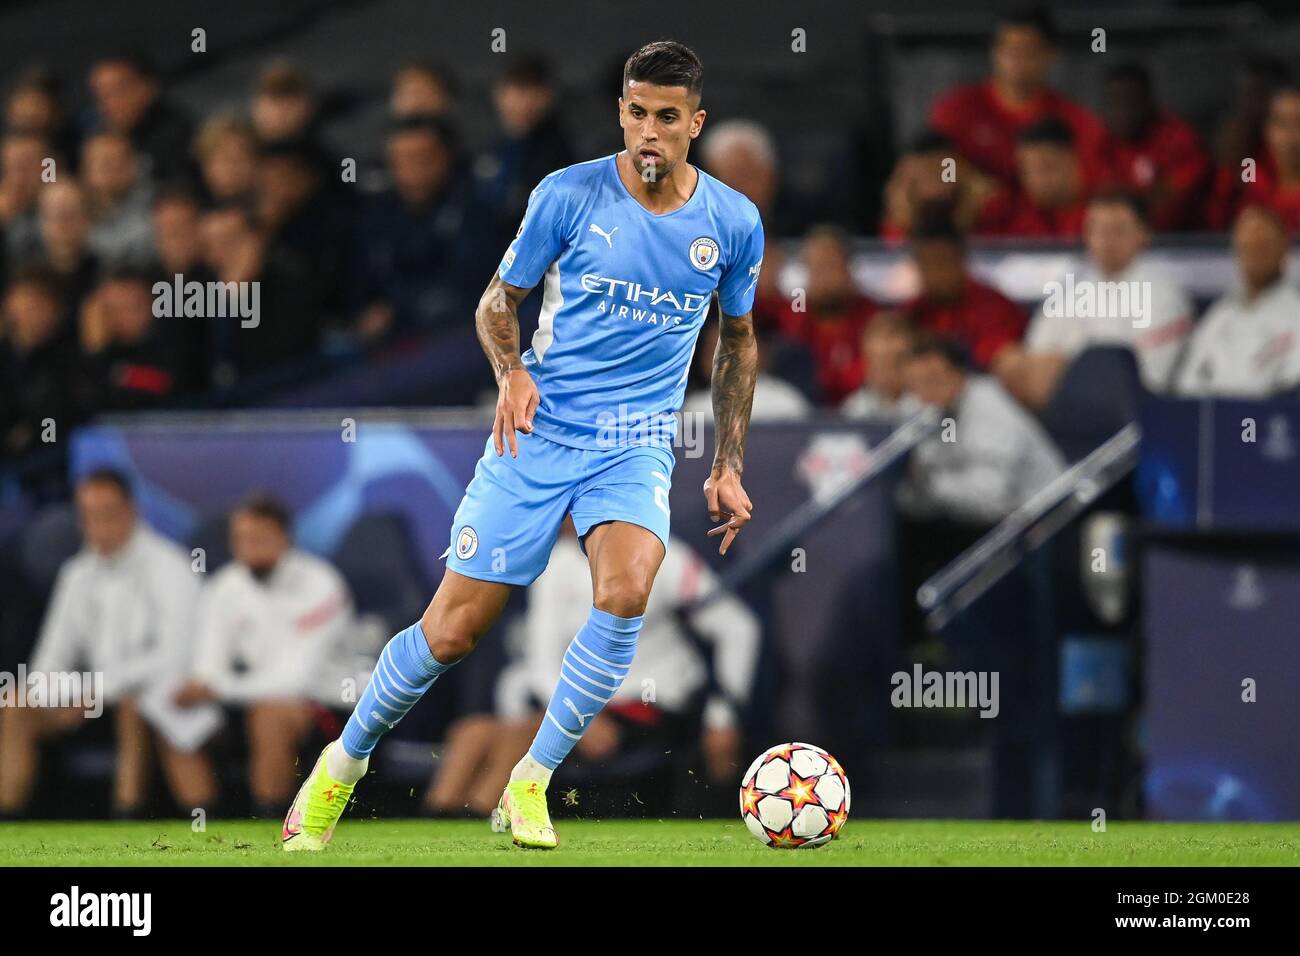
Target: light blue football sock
(594,666)
(406,669)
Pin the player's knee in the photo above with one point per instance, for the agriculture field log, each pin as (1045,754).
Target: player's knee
(451,634)
(624,594)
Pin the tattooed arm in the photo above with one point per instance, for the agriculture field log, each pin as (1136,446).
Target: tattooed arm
(497,323)
(735,369)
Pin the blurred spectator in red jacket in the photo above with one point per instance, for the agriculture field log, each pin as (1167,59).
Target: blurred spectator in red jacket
(1053,192)
(985,118)
(830,314)
(1241,131)
(956,305)
(1276,171)
(1151,152)
(932,179)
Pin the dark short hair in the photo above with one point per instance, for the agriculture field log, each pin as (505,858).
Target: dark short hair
(1122,197)
(1047,132)
(261,504)
(932,141)
(935,223)
(435,126)
(527,70)
(40,276)
(437,72)
(949,349)
(177,190)
(666,63)
(137,61)
(109,476)
(1029,18)
(283,79)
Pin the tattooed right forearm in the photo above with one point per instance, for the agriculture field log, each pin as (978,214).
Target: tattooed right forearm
(497,324)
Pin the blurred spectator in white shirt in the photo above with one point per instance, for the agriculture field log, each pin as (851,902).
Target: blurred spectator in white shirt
(989,456)
(1248,343)
(1133,305)
(274,627)
(123,608)
(883,395)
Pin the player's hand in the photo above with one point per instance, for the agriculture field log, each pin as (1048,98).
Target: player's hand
(516,402)
(726,498)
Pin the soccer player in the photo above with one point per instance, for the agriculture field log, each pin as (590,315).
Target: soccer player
(631,249)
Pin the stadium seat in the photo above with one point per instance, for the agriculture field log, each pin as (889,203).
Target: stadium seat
(1097,396)
(378,560)
(51,540)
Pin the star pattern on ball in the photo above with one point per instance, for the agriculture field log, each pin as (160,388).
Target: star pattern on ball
(800,792)
(749,798)
(786,839)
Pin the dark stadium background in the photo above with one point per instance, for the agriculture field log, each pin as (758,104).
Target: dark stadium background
(1139,713)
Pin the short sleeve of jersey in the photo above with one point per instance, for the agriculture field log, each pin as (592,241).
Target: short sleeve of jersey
(736,290)
(541,236)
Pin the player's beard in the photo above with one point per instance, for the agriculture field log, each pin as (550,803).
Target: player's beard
(663,169)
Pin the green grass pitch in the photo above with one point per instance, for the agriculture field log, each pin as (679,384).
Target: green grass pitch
(655,843)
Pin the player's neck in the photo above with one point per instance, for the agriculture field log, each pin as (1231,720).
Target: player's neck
(663,194)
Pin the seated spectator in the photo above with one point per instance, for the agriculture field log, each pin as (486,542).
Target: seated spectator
(743,154)
(128,96)
(986,119)
(35,105)
(118,199)
(1240,133)
(886,344)
(955,304)
(421,89)
(424,248)
(65,240)
(272,631)
(1053,191)
(1151,152)
(39,373)
(650,714)
(226,149)
(921,188)
(1134,305)
(1248,344)
(178,251)
(532,143)
(775,400)
(1276,182)
(132,359)
(283,107)
(122,607)
(302,221)
(830,314)
(22,155)
(285,327)
(989,460)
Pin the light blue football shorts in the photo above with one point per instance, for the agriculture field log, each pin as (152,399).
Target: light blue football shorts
(511,514)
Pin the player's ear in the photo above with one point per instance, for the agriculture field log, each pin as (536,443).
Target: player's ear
(697,122)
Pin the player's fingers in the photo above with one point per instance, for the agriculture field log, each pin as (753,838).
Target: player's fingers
(533,400)
(727,538)
(718,530)
(510,425)
(497,424)
(711,499)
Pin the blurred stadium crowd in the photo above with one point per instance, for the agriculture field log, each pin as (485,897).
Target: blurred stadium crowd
(366,266)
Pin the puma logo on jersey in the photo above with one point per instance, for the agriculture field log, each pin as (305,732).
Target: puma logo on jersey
(607,236)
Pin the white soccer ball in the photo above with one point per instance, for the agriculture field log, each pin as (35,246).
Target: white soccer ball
(794,796)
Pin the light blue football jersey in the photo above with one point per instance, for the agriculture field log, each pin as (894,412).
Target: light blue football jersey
(624,295)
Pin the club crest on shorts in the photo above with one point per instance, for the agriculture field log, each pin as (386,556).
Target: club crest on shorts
(704,253)
(466,543)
